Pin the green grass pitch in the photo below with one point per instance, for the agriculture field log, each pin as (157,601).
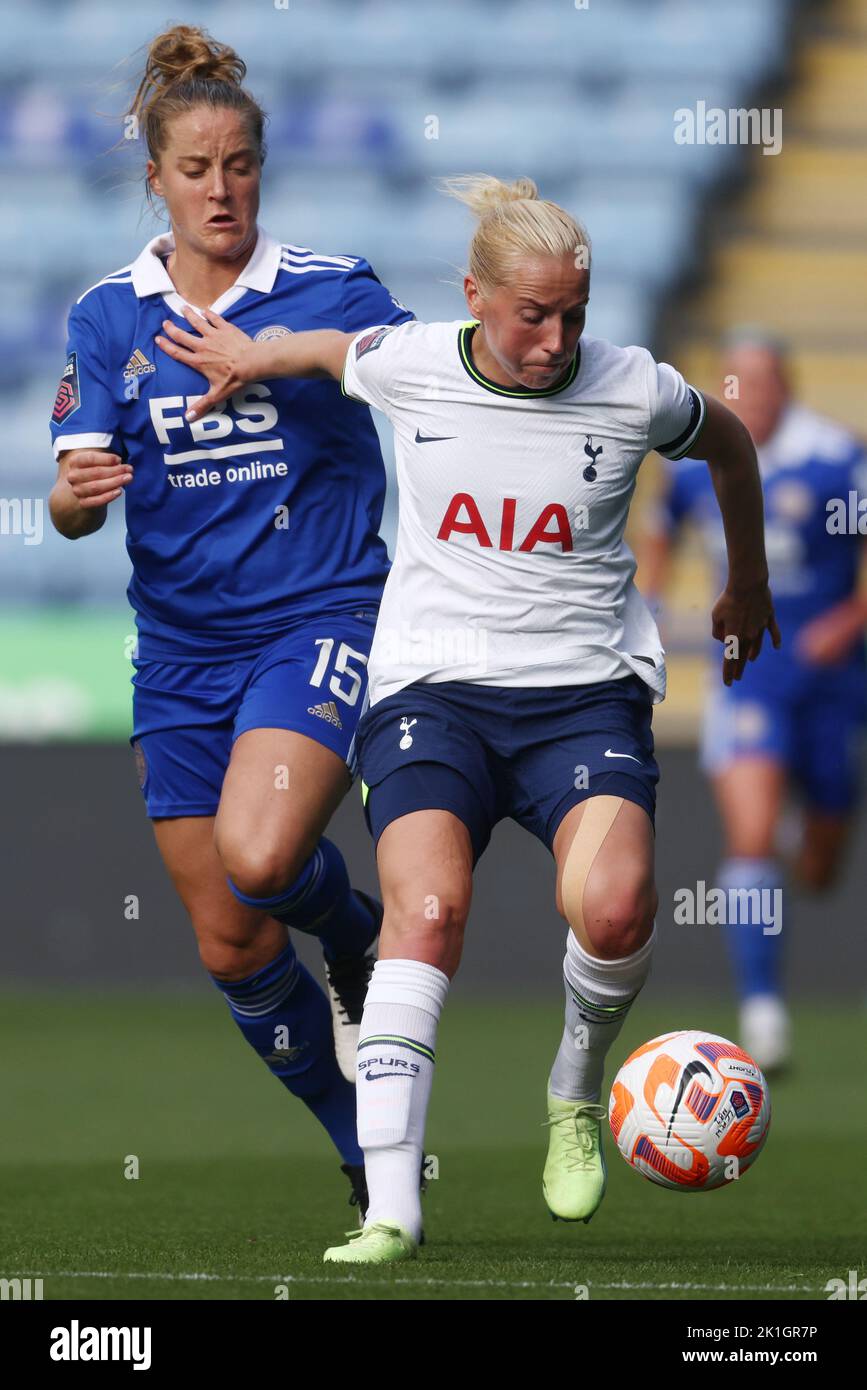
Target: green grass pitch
(239,1191)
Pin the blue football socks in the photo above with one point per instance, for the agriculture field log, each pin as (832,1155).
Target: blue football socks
(322,903)
(286,1018)
(754,940)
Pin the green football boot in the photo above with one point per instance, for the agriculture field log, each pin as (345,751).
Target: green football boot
(378,1244)
(575,1175)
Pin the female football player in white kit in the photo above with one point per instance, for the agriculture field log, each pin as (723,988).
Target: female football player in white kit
(515,665)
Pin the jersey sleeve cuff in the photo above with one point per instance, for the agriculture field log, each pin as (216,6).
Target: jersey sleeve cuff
(678,448)
(344,390)
(65,442)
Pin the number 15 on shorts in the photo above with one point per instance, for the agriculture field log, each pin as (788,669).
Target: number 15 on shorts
(345,682)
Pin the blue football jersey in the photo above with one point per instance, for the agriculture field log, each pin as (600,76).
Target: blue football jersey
(810,467)
(267,510)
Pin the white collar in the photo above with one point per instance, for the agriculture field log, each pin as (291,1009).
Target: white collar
(149,275)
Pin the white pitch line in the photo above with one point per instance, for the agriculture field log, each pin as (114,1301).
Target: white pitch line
(423,1281)
(720,1288)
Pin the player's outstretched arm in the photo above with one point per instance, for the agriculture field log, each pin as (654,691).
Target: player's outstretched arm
(228,358)
(745,609)
(87,480)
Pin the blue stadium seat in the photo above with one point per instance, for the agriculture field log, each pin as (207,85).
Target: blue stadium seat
(581,100)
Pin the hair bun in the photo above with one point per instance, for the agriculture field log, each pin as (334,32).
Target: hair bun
(513,221)
(482,192)
(186,52)
(185,68)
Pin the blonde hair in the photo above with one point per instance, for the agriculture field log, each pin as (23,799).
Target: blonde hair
(185,68)
(513,222)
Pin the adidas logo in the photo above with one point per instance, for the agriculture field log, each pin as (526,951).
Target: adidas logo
(327,711)
(138,365)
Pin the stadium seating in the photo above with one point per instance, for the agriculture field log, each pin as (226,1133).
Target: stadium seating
(367,106)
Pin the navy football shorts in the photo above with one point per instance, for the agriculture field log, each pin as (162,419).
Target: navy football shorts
(490,752)
(186,716)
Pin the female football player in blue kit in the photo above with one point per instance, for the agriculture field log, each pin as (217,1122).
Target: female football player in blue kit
(257,572)
(796,730)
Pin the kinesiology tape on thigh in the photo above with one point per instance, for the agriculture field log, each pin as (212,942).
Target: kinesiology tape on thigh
(597,820)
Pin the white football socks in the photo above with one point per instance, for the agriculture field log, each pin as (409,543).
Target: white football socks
(393,1084)
(599,994)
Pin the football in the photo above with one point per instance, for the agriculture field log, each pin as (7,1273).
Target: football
(690,1111)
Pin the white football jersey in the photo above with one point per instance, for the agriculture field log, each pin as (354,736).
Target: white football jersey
(510,566)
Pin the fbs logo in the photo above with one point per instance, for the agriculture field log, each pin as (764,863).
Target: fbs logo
(326,711)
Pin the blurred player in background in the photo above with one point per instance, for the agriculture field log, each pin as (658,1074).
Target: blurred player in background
(797,723)
(257,573)
(518,444)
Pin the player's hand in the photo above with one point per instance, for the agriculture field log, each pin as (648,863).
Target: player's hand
(829,638)
(218,350)
(744,614)
(96,477)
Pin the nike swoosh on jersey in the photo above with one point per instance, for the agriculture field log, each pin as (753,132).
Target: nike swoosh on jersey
(381,1075)
(609,754)
(432,438)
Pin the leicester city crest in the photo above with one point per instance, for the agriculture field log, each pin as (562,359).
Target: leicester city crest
(274,330)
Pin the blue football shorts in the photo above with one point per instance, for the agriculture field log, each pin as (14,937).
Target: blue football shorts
(811,722)
(186,716)
(486,753)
